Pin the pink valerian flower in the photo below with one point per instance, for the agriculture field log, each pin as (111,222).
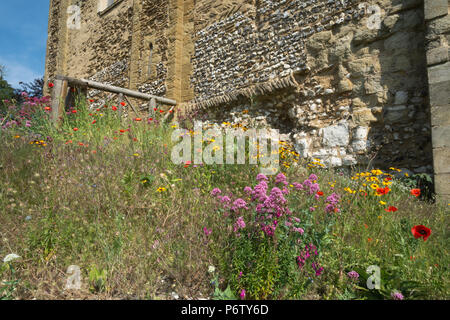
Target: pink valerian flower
(240,224)
(240,275)
(206,231)
(298,186)
(260,177)
(353,275)
(248,190)
(317,269)
(281,178)
(396,295)
(242,294)
(333,202)
(215,192)
(239,204)
(296,219)
(313,177)
(312,209)
(28,124)
(299,230)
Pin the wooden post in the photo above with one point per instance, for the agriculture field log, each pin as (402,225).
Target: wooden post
(151,108)
(120,106)
(59,95)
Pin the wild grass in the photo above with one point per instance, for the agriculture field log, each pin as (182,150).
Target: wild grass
(113,203)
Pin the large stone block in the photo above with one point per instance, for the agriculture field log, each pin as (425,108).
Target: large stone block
(435,8)
(441,136)
(440,115)
(441,157)
(439,73)
(442,186)
(337,135)
(440,93)
(437,55)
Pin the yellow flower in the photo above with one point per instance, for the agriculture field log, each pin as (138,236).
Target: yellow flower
(377,172)
(136,154)
(161,189)
(382,202)
(374,186)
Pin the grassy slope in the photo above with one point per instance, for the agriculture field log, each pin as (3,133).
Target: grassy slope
(88,204)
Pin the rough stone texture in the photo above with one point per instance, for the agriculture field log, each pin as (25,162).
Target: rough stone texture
(435,8)
(313,69)
(438,29)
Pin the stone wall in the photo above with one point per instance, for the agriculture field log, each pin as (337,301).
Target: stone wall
(437,39)
(315,70)
(339,86)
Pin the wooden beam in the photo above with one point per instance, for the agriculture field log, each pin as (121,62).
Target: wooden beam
(113,89)
(131,105)
(59,95)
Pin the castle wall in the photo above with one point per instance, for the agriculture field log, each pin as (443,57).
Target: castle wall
(314,69)
(339,86)
(437,39)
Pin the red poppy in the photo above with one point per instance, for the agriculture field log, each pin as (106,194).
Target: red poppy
(47,108)
(421,231)
(70,141)
(91,114)
(391,209)
(171,111)
(154,109)
(80,144)
(95,121)
(97,109)
(123,104)
(123,131)
(75,129)
(138,119)
(161,111)
(91,100)
(320,193)
(74,111)
(381,191)
(388,178)
(188,163)
(114,108)
(135,139)
(150,119)
(415,192)
(51,85)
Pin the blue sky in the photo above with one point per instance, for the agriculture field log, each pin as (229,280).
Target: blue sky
(23,39)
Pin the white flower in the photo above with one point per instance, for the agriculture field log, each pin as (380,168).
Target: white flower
(211,269)
(11,257)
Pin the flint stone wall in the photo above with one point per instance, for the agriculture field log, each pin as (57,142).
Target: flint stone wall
(313,69)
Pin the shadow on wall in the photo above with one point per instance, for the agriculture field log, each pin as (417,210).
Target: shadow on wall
(393,84)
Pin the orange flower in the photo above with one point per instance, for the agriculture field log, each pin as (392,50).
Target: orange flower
(381,191)
(415,192)
(369,239)
(138,119)
(366,226)
(391,209)
(47,108)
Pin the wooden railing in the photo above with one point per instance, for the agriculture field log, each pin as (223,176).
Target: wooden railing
(60,94)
